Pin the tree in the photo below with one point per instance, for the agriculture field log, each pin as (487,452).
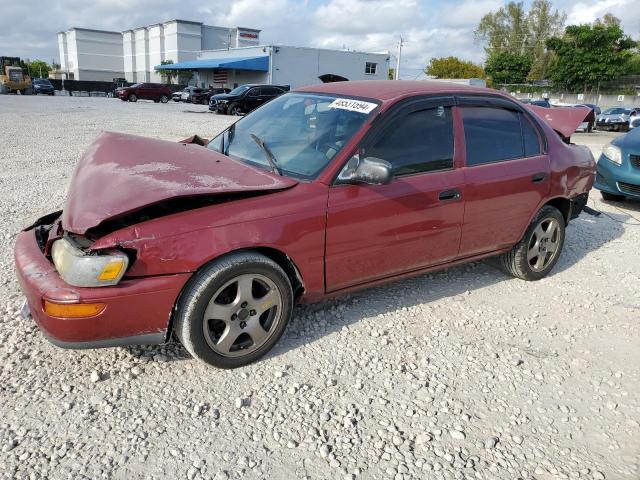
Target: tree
(168,75)
(453,67)
(505,67)
(504,30)
(543,23)
(590,54)
(391,74)
(39,68)
(515,31)
(608,20)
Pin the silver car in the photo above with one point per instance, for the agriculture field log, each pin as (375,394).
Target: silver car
(617,118)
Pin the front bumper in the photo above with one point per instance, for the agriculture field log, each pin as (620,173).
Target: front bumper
(137,309)
(618,179)
(611,125)
(218,107)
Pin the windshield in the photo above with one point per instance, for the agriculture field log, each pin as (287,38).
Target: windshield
(615,111)
(302,133)
(239,90)
(42,82)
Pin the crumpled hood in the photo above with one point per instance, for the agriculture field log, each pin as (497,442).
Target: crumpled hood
(120,174)
(564,120)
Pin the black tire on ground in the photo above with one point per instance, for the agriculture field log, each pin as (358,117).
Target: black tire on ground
(612,197)
(517,263)
(189,318)
(132,97)
(590,128)
(234,109)
(164,99)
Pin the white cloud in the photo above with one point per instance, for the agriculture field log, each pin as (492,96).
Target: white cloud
(358,17)
(467,13)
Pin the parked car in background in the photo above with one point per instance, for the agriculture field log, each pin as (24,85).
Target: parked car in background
(542,102)
(245,98)
(42,86)
(206,95)
(189,94)
(145,91)
(616,118)
(618,169)
(322,191)
(590,122)
(177,96)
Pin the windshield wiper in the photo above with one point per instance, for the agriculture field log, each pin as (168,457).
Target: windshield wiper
(268,153)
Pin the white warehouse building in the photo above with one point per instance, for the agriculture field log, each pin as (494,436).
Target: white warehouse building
(88,54)
(216,56)
(283,65)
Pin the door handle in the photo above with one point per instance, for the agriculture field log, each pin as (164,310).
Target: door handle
(539,177)
(448,195)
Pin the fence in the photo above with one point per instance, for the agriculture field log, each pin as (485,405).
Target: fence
(89,88)
(577,98)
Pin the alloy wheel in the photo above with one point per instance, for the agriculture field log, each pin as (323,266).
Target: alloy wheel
(543,245)
(242,315)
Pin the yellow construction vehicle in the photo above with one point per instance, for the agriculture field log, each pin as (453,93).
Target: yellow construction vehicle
(12,78)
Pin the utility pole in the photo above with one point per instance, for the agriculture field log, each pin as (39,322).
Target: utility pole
(397,72)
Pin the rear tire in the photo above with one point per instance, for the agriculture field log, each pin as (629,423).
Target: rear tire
(533,257)
(234,310)
(612,197)
(133,97)
(164,99)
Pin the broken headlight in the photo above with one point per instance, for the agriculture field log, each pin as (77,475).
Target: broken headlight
(82,269)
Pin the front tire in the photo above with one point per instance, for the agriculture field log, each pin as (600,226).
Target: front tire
(533,257)
(234,310)
(133,97)
(612,197)
(234,109)
(164,99)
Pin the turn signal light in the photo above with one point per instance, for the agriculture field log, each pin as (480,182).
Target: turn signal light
(112,270)
(73,310)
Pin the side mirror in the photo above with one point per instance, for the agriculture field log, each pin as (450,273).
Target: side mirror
(369,170)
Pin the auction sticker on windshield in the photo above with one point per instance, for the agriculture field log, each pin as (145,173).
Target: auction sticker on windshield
(353,105)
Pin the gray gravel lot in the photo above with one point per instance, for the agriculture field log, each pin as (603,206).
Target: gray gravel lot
(461,374)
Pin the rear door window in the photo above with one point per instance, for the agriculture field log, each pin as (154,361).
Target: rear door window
(418,142)
(496,134)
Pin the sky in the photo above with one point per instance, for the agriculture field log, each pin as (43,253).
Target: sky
(430,28)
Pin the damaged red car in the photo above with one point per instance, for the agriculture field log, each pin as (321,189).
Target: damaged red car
(324,190)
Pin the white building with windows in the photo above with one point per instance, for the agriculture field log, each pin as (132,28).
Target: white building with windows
(216,56)
(88,54)
(283,65)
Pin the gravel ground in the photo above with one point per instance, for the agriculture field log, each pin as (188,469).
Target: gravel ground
(465,373)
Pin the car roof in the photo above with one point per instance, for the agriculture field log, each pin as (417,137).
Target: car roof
(389,90)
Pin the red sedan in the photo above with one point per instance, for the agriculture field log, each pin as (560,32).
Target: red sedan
(322,191)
